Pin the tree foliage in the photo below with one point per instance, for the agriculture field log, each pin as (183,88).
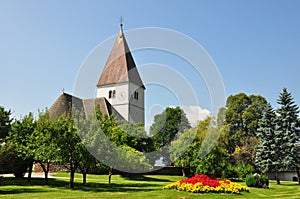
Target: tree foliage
(20,137)
(109,143)
(279,135)
(241,122)
(267,151)
(199,149)
(287,132)
(69,145)
(5,122)
(166,127)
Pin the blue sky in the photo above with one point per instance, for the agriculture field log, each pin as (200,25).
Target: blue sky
(255,44)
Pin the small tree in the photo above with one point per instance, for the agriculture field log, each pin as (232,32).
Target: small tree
(44,143)
(69,145)
(110,144)
(182,149)
(165,128)
(20,137)
(86,126)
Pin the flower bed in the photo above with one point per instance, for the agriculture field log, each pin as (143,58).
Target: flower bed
(204,184)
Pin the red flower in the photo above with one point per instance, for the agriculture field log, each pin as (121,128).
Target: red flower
(205,180)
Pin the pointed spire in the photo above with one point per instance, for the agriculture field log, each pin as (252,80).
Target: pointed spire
(121,27)
(121,22)
(120,66)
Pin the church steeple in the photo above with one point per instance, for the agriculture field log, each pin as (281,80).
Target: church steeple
(120,82)
(121,24)
(120,66)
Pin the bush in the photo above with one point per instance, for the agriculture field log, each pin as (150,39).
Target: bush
(256,180)
(11,163)
(251,180)
(20,167)
(265,180)
(244,169)
(230,172)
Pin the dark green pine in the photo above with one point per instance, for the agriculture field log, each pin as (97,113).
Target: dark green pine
(267,153)
(287,130)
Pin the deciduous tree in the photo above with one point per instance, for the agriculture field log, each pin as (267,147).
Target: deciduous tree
(20,137)
(5,122)
(165,128)
(44,143)
(241,122)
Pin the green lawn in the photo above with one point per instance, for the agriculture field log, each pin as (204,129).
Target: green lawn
(145,187)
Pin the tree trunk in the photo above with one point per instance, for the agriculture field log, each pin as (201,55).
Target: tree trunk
(72,174)
(84,170)
(30,170)
(183,172)
(298,175)
(277,177)
(46,177)
(45,169)
(73,167)
(84,178)
(109,175)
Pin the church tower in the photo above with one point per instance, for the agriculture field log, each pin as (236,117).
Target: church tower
(120,82)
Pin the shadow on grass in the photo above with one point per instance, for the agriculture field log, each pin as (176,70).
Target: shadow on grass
(19,191)
(144,178)
(22,186)
(291,184)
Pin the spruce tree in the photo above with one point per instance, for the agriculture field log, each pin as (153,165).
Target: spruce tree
(286,132)
(267,150)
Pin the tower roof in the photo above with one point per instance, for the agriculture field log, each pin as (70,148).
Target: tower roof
(120,66)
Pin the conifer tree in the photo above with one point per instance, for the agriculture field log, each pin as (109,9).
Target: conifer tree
(286,131)
(267,151)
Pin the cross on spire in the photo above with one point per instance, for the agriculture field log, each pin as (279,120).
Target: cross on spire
(121,21)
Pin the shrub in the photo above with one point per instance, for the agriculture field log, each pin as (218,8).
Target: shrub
(256,180)
(244,169)
(251,180)
(11,163)
(230,172)
(264,180)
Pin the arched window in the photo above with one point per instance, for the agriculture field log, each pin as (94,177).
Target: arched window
(136,95)
(114,93)
(109,94)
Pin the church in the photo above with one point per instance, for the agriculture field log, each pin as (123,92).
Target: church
(120,89)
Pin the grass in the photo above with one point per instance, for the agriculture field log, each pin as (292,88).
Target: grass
(142,187)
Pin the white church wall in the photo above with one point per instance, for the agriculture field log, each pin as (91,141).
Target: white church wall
(119,97)
(136,114)
(119,93)
(123,98)
(141,96)
(123,110)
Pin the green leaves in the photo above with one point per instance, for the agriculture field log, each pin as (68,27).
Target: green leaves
(5,123)
(166,127)
(241,120)
(21,134)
